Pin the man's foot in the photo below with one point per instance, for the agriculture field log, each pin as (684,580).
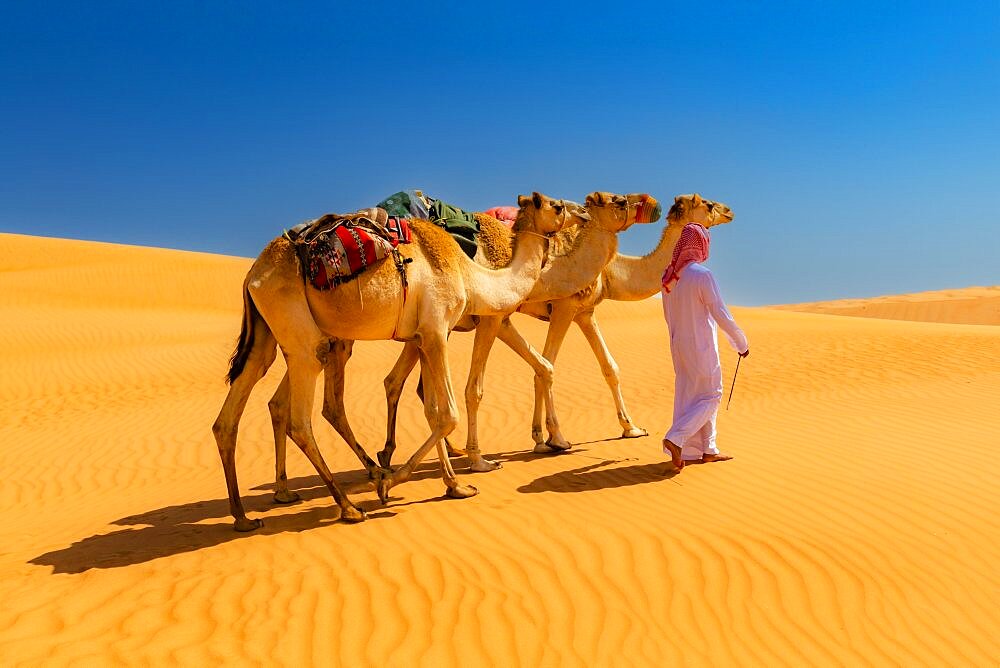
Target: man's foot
(718,457)
(675,454)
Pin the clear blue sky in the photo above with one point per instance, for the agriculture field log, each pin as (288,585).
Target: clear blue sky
(858,143)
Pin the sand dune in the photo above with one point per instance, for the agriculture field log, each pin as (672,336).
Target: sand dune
(968,306)
(859,523)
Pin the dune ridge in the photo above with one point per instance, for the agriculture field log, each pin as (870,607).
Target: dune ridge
(969,306)
(858,524)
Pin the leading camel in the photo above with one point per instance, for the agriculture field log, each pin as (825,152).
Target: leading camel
(282,309)
(626,278)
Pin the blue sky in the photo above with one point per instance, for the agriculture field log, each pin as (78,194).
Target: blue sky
(858,143)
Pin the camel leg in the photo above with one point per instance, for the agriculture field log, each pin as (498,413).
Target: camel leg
(588,325)
(541,366)
(303,368)
(560,319)
(336,413)
(394,383)
(261,357)
(440,409)
(486,333)
(278,407)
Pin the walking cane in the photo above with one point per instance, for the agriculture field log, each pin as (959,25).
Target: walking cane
(738,359)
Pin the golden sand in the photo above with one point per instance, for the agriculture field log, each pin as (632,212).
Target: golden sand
(859,523)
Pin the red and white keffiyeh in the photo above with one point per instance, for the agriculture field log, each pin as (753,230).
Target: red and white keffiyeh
(691,247)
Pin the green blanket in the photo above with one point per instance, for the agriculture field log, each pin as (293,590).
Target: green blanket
(461,225)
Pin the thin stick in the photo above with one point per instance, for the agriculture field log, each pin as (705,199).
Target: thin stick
(738,360)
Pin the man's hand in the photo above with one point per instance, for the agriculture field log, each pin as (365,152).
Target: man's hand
(746,354)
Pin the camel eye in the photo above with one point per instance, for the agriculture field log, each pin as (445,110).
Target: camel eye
(558,208)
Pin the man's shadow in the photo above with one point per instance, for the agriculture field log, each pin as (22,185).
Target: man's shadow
(182,528)
(597,476)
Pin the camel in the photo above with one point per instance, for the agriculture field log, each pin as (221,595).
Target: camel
(281,309)
(626,278)
(576,256)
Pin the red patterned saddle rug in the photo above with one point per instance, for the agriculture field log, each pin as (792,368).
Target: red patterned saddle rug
(336,248)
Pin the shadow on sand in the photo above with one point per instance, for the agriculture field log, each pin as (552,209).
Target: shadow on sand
(595,476)
(186,527)
(182,528)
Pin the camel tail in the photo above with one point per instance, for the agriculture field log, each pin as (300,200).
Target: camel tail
(244,344)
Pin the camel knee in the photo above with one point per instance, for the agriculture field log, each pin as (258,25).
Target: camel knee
(611,370)
(473,394)
(545,373)
(446,420)
(225,434)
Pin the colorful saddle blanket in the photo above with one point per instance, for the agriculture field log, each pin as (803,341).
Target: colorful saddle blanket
(335,248)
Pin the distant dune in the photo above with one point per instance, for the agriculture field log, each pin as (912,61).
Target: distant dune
(969,306)
(859,523)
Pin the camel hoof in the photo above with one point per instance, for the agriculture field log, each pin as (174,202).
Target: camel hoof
(383,483)
(352,514)
(384,458)
(461,492)
(483,465)
(247,524)
(286,496)
(543,449)
(634,432)
(560,446)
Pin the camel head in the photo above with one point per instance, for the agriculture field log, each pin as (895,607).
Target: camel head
(695,209)
(545,215)
(615,213)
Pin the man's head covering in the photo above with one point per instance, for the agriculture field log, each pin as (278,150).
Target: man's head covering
(691,247)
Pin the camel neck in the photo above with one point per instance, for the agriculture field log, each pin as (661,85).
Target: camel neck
(630,278)
(570,270)
(501,291)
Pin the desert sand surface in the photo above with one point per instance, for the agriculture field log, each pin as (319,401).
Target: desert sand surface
(966,306)
(859,523)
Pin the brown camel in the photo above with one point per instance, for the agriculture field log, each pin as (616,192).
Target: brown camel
(282,309)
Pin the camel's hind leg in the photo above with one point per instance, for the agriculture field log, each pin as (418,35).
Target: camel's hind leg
(486,333)
(261,356)
(303,369)
(588,325)
(279,407)
(336,413)
(560,319)
(394,383)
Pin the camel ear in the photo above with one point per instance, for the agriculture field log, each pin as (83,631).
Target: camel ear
(522,200)
(536,198)
(696,200)
(595,199)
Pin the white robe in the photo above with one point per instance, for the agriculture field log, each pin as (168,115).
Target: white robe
(691,310)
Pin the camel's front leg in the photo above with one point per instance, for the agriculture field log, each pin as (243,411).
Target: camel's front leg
(440,410)
(560,319)
(486,333)
(588,325)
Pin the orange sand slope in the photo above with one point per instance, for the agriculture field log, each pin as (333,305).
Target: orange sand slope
(859,523)
(969,306)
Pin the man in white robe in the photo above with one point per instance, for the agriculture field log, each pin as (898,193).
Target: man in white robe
(693,309)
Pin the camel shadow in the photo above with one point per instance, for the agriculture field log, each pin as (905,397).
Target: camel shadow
(177,529)
(594,477)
